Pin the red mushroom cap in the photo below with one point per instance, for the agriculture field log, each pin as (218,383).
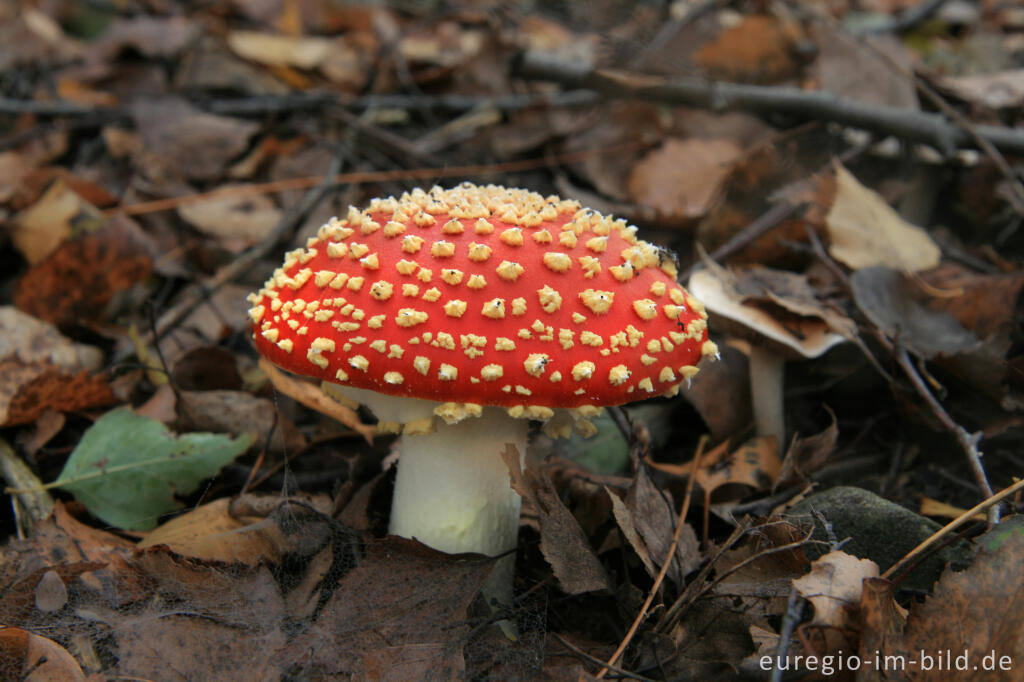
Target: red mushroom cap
(483,295)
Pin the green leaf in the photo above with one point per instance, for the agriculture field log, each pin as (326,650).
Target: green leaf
(127,468)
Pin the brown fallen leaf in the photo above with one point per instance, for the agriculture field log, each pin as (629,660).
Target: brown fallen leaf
(237,412)
(562,542)
(755,464)
(102,264)
(401,614)
(13,167)
(807,454)
(33,658)
(881,625)
(235,222)
(207,322)
(679,178)
(756,575)
(36,182)
(183,140)
(229,628)
(985,304)
(892,303)
(784,168)
(28,391)
(977,613)
(759,49)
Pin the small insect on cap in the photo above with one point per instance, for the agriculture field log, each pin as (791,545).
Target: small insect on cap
(483,295)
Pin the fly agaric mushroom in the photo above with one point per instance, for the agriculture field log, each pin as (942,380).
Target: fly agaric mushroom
(458,315)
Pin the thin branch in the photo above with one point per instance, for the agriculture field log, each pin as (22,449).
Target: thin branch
(968,441)
(908,19)
(794,614)
(908,124)
(991,502)
(594,659)
(363,177)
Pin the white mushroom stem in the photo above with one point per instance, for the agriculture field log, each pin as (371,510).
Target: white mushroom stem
(452,491)
(766,393)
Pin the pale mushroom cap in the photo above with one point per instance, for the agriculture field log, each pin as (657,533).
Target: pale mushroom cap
(752,322)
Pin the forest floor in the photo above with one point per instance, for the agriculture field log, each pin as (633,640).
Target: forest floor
(841,183)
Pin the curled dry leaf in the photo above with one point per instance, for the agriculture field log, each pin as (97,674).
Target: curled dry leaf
(214,532)
(648,521)
(562,541)
(864,231)
(755,463)
(807,454)
(312,396)
(797,324)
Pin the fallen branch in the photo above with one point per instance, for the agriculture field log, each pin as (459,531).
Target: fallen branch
(968,441)
(908,124)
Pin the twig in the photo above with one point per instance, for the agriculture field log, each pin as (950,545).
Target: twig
(761,226)
(991,502)
(364,177)
(794,614)
(908,19)
(10,105)
(669,557)
(684,600)
(968,441)
(908,124)
(594,659)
